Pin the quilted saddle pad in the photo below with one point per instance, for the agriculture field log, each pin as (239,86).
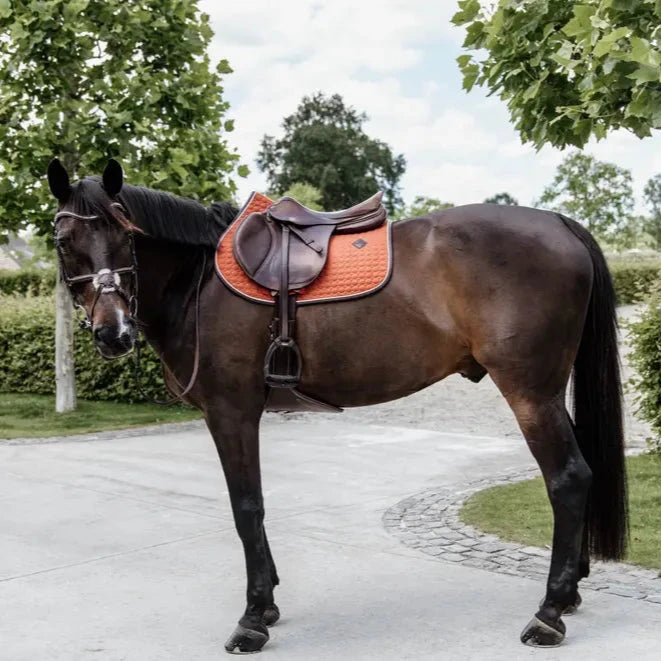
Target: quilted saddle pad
(358,264)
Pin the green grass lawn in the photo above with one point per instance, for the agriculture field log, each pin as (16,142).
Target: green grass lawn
(32,416)
(521,512)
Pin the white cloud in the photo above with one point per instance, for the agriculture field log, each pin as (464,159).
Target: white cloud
(393,59)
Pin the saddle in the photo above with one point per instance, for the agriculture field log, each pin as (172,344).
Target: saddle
(285,249)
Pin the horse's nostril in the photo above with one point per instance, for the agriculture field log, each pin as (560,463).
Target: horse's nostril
(103,334)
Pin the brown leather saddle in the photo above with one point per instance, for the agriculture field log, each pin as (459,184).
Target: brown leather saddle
(284,250)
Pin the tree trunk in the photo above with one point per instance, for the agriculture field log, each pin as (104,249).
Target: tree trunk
(65,377)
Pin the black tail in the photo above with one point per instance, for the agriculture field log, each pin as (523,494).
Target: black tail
(598,411)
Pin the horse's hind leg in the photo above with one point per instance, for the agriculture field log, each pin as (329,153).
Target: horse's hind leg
(550,436)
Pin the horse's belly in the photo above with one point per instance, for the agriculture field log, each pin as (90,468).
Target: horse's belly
(378,348)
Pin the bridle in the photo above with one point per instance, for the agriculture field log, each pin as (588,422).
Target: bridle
(108,281)
(105,280)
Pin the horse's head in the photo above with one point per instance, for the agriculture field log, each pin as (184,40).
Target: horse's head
(94,243)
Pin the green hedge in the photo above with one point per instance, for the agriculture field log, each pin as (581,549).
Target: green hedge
(633,280)
(644,338)
(34,282)
(27,357)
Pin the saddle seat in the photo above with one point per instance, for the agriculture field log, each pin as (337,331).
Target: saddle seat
(289,210)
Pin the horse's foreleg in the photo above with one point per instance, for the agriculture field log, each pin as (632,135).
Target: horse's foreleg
(272,612)
(237,442)
(550,436)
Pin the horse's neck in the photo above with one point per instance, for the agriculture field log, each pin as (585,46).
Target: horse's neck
(167,276)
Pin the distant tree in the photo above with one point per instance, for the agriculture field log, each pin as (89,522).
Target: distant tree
(89,79)
(567,70)
(502,198)
(596,194)
(306,194)
(324,145)
(652,223)
(422,205)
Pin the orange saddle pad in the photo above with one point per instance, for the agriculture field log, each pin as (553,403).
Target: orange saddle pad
(358,264)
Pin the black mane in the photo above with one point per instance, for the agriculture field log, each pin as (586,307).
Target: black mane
(158,214)
(176,219)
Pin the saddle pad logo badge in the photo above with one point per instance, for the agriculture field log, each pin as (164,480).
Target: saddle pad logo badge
(359,243)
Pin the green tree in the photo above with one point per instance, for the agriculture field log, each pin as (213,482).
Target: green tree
(88,79)
(422,205)
(597,194)
(567,70)
(324,145)
(502,198)
(652,223)
(306,194)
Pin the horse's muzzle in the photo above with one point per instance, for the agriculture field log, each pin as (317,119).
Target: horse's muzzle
(113,341)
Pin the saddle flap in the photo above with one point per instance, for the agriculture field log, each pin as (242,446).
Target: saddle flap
(253,242)
(257,247)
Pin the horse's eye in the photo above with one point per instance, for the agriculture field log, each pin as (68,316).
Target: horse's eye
(63,246)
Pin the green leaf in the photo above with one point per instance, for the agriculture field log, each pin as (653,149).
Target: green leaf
(243,170)
(463,60)
(643,53)
(475,35)
(532,91)
(5,8)
(641,105)
(645,74)
(581,23)
(586,83)
(609,65)
(468,10)
(606,43)
(471,73)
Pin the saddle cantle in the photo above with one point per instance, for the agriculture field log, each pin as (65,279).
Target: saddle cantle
(282,249)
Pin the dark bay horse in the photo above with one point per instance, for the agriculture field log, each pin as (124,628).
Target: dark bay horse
(521,294)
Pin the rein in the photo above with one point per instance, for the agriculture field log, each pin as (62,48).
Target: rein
(108,281)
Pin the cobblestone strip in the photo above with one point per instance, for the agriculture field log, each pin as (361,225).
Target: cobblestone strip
(430,522)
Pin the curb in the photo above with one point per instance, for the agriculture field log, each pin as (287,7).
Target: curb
(429,521)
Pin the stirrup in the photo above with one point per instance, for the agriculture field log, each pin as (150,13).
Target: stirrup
(282,364)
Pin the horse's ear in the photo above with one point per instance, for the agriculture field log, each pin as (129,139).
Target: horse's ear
(113,178)
(58,181)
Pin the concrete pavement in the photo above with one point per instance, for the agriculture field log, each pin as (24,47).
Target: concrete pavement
(125,550)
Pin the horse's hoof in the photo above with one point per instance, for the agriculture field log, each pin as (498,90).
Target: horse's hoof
(246,641)
(541,634)
(271,615)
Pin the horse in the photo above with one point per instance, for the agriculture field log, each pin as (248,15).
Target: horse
(520,294)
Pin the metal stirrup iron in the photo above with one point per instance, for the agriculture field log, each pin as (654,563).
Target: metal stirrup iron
(282,363)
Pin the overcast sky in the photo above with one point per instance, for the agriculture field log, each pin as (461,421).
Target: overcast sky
(394,60)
